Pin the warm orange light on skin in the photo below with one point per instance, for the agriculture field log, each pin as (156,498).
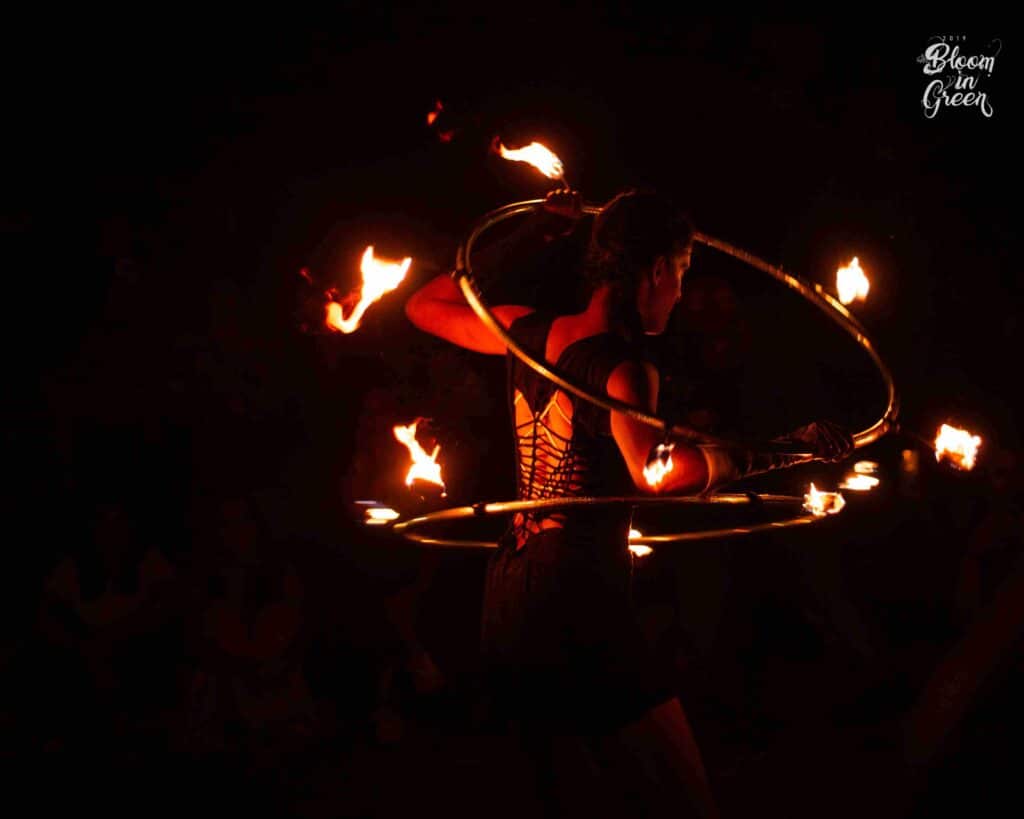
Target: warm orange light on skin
(957,447)
(851,283)
(424,467)
(820,504)
(379,277)
(659,465)
(537,155)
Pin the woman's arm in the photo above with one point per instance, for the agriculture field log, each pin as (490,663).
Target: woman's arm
(705,467)
(439,308)
(637,384)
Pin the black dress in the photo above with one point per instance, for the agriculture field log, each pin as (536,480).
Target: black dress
(560,636)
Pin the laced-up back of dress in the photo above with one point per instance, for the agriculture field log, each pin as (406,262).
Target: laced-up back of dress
(564,446)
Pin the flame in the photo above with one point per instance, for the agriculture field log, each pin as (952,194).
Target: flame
(820,504)
(433,115)
(379,277)
(859,482)
(638,549)
(865,467)
(957,446)
(380,516)
(659,464)
(424,467)
(537,155)
(851,282)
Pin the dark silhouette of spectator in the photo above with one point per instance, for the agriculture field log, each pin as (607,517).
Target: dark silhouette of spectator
(111,615)
(249,635)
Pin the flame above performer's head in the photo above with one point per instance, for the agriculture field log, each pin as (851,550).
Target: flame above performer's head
(534,154)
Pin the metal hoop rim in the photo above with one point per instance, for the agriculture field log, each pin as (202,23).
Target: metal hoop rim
(405,528)
(813,293)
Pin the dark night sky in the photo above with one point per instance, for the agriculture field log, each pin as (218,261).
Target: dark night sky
(209,160)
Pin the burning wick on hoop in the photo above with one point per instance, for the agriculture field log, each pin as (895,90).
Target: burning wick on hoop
(851,283)
(424,467)
(956,447)
(820,504)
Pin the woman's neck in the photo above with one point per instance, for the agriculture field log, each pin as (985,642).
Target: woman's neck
(603,313)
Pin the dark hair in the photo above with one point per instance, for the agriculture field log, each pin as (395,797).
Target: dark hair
(630,232)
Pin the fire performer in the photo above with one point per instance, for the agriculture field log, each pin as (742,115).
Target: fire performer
(559,631)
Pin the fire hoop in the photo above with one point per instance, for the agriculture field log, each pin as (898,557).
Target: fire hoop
(815,294)
(406,528)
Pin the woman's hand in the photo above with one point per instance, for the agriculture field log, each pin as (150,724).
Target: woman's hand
(567,206)
(829,442)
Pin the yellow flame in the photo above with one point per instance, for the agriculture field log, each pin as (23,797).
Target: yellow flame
(638,549)
(851,282)
(379,277)
(820,504)
(859,482)
(659,464)
(537,155)
(424,467)
(380,515)
(957,446)
(865,467)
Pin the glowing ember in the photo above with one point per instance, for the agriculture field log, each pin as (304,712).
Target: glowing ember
(957,447)
(380,516)
(859,483)
(820,504)
(538,156)
(424,467)
(433,115)
(851,282)
(659,464)
(865,467)
(379,277)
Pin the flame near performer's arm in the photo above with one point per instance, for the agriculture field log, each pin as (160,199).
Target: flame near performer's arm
(677,467)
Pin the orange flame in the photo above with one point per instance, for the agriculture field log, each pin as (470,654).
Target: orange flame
(433,115)
(537,155)
(659,464)
(957,446)
(851,283)
(859,482)
(820,504)
(379,277)
(638,549)
(865,467)
(424,467)
(380,515)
